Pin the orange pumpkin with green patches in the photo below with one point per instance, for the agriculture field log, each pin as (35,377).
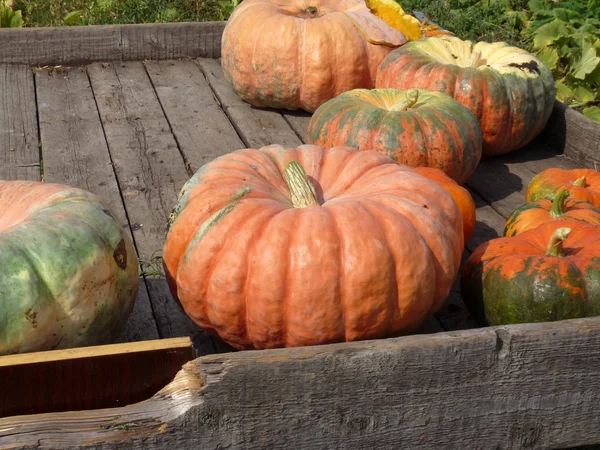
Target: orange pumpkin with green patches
(461,197)
(582,184)
(417,128)
(533,214)
(510,91)
(549,273)
(297,54)
(289,247)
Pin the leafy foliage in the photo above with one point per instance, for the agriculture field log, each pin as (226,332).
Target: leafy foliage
(10,18)
(566,36)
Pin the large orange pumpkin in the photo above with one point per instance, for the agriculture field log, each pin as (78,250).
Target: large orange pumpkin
(462,198)
(264,258)
(510,91)
(414,127)
(297,54)
(582,184)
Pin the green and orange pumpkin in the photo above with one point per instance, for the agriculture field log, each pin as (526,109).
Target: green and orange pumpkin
(461,196)
(415,128)
(533,214)
(294,54)
(582,184)
(548,273)
(278,247)
(510,91)
(69,273)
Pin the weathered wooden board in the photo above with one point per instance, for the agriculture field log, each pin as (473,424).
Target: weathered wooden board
(573,134)
(19,141)
(75,153)
(150,171)
(87,44)
(199,125)
(105,376)
(257,127)
(513,387)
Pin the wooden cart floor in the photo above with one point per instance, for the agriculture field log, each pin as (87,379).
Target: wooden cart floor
(134,132)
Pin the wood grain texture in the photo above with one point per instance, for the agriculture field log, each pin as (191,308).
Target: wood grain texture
(499,388)
(150,171)
(257,127)
(573,134)
(200,126)
(19,151)
(95,43)
(89,378)
(75,153)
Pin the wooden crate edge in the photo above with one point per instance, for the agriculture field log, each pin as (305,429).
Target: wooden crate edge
(526,385)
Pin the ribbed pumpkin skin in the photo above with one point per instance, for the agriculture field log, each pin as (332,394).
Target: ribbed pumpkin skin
(534,214)
(547,183)
(512,280)
(461,197)
(69,273)
(510,91)
(436,132)
(374,259)
(282,54)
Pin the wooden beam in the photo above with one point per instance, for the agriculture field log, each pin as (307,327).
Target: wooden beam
(90,377)
(94,43)
(522,386)
(573,134)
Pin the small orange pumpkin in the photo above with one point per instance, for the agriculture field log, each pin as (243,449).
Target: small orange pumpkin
(534,214)
(461,197)
(549,273)
(289,247)
(582,184)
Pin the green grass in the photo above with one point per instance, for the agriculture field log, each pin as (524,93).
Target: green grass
(475,20)
(39,13)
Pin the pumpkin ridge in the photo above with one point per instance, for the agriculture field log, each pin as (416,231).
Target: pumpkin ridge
(340,285)
(369,204)
(251,251)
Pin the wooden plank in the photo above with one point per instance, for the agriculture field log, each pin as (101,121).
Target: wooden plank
(299,121)
(257,127)
(199,125)
(76,154)
(501,183)
(105,376)
(522,386)
(94,43)
(573,134)
(150,172)
(489,224)
(19,151)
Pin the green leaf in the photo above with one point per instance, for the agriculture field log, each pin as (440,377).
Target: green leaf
(547,34)
(593,113)
(583,95)
(16,20)
(538,5)
(549,56)
(588,62)
(563,92)
(73,18)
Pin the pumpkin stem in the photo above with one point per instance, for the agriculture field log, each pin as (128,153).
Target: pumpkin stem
(302,191)
(474,59)
(579,182)
(558,204)
(410,99)
(555,246)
